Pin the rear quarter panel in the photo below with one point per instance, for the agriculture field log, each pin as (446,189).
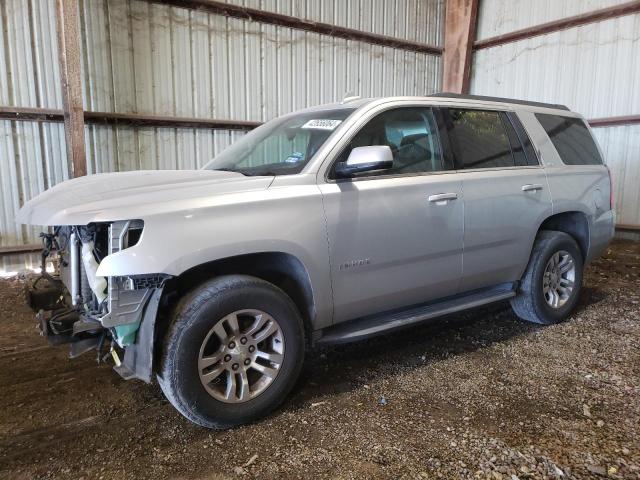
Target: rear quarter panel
(575,188)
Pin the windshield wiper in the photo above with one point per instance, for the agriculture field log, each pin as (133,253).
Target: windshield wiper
(230,170)
(263,174)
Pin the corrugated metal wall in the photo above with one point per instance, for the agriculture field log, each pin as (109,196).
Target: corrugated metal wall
(145,57)
(32,155)
(593,69)
(154,58)
(141,57)
(497,17)
(403,19)
(621,148)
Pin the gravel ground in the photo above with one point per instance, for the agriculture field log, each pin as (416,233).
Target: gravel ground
(476,395)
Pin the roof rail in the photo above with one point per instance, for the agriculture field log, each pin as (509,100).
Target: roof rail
(498,99)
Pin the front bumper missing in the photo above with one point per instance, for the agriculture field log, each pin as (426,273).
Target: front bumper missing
(66,325)
(130,323)
(120,311)
(138,356)
(83,334)
(128,299)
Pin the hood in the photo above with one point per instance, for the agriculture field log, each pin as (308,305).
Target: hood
(131,195)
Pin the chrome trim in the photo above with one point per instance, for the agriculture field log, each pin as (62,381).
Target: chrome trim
(442,197)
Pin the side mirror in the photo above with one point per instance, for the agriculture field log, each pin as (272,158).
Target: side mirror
(365,159)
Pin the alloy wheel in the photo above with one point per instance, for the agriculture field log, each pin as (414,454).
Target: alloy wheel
(241,356)
(559,279)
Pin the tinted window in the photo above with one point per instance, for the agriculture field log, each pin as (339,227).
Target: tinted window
(519,157)
(412,135)
(532,158)
(572,139)
(479,139)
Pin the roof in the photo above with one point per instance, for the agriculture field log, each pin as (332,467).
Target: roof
(479,100)
(499,99)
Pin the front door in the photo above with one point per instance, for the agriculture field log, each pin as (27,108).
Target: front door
(395,236)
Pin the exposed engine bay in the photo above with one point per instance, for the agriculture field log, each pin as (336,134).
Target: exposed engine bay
(91,312)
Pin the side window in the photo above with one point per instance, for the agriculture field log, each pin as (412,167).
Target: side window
(532,158)
(572,139)
(479,139)
(412,135)
(519,157)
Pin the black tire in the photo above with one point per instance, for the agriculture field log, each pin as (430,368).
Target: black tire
(194,317)
(530,304)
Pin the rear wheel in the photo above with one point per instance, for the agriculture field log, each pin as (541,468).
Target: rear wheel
(233,352)
(551,284)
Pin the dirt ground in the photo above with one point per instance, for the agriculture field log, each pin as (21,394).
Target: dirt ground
(475,395)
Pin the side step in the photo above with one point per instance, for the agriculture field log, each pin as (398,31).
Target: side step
(366,327)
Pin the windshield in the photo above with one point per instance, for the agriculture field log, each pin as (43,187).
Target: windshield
(282,146)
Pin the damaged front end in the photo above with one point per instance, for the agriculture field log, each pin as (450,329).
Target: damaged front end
(115,315)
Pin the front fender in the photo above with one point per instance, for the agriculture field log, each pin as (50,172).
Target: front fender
(289,221)
(177,255)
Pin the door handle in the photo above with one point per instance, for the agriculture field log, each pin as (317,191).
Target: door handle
(443,197)
(531,187)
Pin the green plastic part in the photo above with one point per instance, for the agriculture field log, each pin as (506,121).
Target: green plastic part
(126,334)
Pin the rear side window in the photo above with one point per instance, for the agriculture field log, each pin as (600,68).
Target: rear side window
(532,158)
(479,139)
(517,151)
(572,139)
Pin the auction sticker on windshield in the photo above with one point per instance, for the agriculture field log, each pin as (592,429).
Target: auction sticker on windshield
(322,124)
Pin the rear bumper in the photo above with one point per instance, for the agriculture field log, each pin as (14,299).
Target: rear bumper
(601,234)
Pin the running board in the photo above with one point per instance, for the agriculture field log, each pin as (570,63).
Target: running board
(366,327)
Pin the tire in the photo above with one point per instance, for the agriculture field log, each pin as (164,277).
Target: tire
(531,303)
(213,304)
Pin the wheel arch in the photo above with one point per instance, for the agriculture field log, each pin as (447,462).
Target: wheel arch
(573,223)
(284,270)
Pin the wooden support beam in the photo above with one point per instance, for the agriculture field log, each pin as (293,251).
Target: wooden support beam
(27,114)
(152,120)
(126,119)
(459,34)
(69,56)
(614,121)
(18,249)
(628,228)
(272,18)
(562,24)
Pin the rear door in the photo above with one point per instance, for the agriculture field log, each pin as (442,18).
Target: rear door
(506,196)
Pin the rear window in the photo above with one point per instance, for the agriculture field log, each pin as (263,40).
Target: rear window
(572,139)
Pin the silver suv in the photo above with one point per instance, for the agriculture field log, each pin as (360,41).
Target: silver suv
(328,225)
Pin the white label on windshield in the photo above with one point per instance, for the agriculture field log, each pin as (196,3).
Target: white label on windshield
(322,124)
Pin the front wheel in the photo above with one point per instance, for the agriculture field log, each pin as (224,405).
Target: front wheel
(233,352)
(551,284)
